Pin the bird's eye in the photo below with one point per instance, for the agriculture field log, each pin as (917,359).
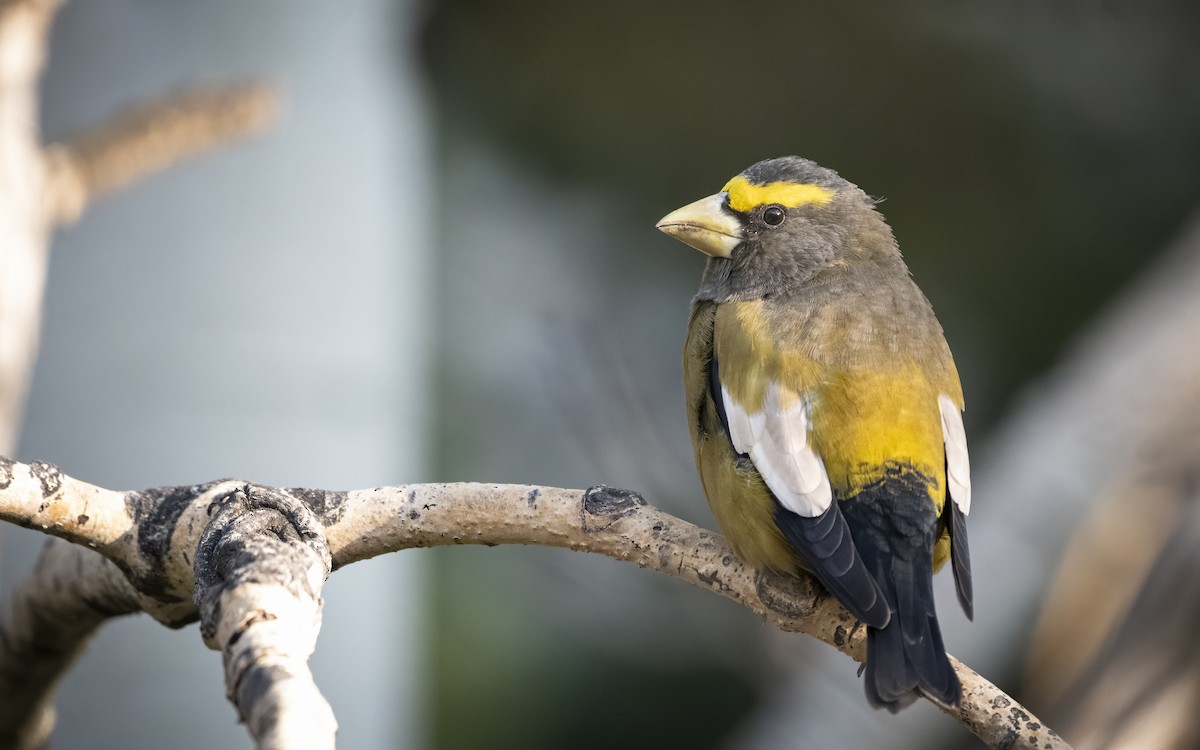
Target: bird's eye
(774,215)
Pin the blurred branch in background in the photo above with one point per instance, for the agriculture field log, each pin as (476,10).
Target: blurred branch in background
(43,187)
(1115,654)
(151,137)
(1131,670)
(24,226)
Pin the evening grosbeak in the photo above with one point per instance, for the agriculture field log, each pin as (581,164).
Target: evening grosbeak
(826,411)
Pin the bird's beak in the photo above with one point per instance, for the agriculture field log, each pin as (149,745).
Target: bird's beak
(705,225)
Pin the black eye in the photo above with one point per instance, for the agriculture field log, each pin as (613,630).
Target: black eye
(774,215)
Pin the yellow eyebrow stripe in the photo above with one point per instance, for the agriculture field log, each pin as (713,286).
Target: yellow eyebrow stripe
(744,195)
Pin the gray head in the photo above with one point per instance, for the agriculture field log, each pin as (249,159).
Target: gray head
(777,225)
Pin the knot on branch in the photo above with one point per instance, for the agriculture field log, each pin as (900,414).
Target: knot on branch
(6,472)
(257,537)
(604,505)
(260,564)
(788,596)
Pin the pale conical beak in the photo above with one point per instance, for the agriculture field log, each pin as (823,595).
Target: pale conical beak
(705,225)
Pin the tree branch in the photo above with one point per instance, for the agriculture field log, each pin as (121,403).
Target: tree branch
(260,565)
(155,535)
(53,613)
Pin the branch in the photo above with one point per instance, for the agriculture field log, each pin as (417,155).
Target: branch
(53,614)
(155,535)
(149,138)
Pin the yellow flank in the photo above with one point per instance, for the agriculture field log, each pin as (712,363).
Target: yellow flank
(744,195)
(743,506)
(741,502)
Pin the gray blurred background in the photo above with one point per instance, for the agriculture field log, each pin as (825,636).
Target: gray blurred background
(441,265)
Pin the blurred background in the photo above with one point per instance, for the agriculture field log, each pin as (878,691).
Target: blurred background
(441,265)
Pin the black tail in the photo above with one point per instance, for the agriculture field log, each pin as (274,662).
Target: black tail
(894,530)
(908,655)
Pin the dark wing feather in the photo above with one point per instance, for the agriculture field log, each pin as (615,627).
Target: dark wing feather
(960,559)
(825,546)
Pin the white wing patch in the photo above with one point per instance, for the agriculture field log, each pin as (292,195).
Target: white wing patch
(958,465)
(776,439)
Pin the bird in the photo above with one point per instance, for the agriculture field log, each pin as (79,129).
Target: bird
(825,410)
